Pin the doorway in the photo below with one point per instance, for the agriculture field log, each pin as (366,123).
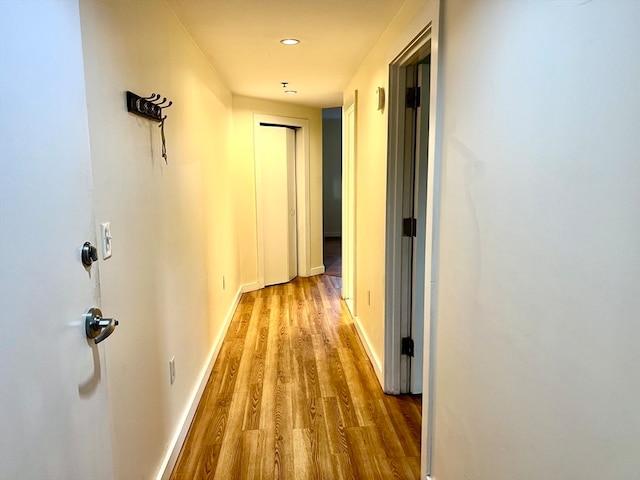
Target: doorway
(349,203)
(332,190)
(420,284)
(406,225)
(299,182)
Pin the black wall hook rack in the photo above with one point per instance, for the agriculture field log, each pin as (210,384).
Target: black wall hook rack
(148,107)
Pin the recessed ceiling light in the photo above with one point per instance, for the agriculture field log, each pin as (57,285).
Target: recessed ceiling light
(290,41)
(290,91)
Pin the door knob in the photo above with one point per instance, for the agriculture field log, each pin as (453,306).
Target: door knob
(89,254)
(97,327)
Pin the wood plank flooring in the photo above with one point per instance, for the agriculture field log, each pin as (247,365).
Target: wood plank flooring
(293,396)
(332,250)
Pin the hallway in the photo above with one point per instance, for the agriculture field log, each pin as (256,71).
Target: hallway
(293,395)
(531,270)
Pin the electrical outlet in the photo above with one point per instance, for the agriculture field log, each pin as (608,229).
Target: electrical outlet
(369,297)
(224,285)
(172,370)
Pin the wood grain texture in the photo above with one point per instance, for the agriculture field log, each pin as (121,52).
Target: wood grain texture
(293,396)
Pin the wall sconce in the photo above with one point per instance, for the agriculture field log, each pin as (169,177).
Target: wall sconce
(380,94)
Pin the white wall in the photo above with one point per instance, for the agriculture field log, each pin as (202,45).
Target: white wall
(332,172)
(538,321)
(173,225)
(538,258)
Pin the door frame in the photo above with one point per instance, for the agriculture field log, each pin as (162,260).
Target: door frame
(301,127)
(349,149)
(427,38)
(395,170)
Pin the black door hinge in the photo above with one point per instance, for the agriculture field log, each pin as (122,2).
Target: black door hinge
(413,97)
(407,346)
(409,227)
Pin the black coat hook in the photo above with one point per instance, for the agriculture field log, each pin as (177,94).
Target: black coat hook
(148,107)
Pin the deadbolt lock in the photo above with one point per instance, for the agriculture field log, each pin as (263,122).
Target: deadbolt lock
(89,254)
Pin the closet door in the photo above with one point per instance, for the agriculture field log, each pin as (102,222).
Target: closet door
(276,155)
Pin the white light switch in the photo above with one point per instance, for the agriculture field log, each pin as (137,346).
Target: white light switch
(106,239)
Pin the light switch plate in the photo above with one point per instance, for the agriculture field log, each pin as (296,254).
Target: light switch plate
(105,229)
(172,370)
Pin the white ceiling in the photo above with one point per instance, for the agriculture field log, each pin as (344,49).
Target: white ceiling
(241,38)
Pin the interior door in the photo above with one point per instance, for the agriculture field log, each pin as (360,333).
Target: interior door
(407,259)
(348,207)
(419,241)
(276,149)
(54,414)
(414,210)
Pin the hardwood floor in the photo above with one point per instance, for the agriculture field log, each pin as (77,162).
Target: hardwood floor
(333,256)
(293,395)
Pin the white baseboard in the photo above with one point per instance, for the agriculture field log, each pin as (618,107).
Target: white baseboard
(316,271)
(250,287)
(175,446)
(375,361)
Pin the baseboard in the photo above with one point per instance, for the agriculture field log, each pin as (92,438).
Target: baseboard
(175,446)
(377,366)
(250,287)
(316,271)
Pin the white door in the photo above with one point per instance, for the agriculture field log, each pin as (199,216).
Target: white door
(420,241)
(54,410)
(275,153)
(414,206)
(348,207)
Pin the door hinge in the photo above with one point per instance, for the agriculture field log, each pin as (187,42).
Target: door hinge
(409,227)
(413,97)
(407,346)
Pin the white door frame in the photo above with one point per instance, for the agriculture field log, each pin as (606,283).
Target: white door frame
(301,126)
(427,37)
(349,122)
